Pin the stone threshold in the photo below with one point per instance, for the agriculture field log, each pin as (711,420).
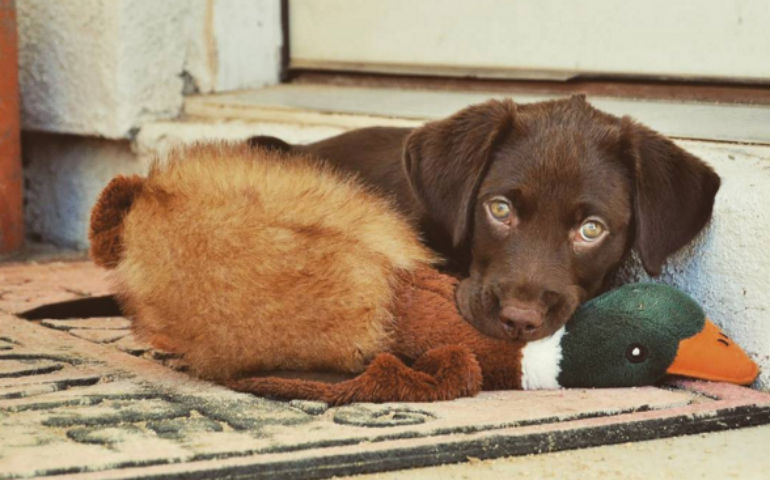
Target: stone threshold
(358,106)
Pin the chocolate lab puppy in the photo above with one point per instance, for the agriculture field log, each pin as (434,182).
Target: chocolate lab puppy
(535,204)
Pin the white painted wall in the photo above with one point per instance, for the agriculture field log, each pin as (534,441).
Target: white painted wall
(236,44)
(104,67)
(99,67)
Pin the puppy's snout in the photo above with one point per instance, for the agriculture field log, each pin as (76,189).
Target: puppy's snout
(527,318)
(521,320)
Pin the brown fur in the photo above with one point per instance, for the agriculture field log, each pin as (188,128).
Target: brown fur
(557,163)
(248,265)
(450,357)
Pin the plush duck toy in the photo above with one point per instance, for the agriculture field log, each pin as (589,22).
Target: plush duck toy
(636,334)
(250,262)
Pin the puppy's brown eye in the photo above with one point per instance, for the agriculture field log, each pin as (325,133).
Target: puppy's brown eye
(500,210)
(591,230)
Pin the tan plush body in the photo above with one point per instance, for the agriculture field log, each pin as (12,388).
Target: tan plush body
(245,262)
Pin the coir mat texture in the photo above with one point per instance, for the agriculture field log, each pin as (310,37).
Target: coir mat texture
(82,398)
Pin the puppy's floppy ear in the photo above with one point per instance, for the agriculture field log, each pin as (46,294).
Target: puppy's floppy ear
(446,160)
(674,193)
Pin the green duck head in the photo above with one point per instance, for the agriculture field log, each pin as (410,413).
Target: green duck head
(634,335)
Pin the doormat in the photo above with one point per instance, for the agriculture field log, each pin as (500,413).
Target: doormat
(82,398)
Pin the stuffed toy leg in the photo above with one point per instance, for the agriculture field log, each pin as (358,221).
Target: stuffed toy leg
(246,262)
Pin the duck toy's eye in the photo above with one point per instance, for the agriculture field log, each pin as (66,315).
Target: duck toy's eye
(636,353)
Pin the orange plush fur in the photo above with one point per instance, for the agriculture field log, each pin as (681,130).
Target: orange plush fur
(246,264)
(247,261)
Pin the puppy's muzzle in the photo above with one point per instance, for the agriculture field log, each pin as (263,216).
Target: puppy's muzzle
(529,320)
(520,321)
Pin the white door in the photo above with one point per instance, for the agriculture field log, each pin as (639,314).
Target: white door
(680,39)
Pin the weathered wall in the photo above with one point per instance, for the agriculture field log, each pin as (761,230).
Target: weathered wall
(92,70)
(100,67)
(236,45)
(64,174)
(104,67)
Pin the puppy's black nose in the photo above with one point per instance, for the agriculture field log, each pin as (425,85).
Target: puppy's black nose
(520,320)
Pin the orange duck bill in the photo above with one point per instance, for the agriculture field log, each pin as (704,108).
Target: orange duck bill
(711,355)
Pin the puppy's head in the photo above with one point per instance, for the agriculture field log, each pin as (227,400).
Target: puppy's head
(546,199)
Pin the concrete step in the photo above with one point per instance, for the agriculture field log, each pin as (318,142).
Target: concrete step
(353,107)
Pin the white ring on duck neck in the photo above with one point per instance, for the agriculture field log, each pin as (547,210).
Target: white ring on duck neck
(541,363)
